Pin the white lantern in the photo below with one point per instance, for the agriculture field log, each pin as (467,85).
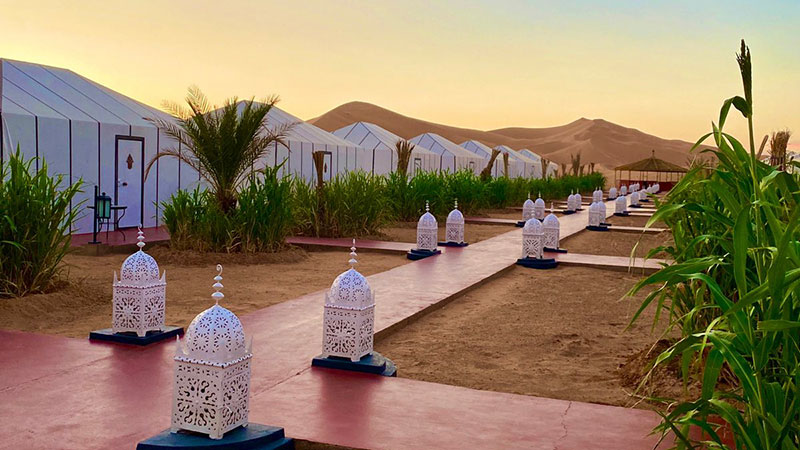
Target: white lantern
(427,231)
(635,199)
(623,190)
(571,202)
(552,231)
(538,208)
(454,229)
(620,205)
(601,208)
(212,372)
(349,317)
(578,201)
(528,208)
(139,295)
(612,193)
(533,239)
(594,215)
(597,195)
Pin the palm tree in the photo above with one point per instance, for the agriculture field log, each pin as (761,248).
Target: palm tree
(222,144)
(404,149)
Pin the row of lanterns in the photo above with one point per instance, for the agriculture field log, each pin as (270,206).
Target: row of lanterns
(212,363)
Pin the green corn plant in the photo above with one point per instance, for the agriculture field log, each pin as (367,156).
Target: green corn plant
(35,221)
(733,291)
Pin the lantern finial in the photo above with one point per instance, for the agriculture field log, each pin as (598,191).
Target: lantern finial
(427,206)
(529,195)
(140,238)
(456,204)
(217,295)
(353,255)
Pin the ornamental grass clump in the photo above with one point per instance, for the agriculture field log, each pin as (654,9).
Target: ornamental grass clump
(35,221)
(733,293)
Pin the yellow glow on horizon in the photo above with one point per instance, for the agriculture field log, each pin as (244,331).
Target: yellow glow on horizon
(663,70)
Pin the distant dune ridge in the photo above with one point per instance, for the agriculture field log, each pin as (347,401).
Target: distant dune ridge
(599,141)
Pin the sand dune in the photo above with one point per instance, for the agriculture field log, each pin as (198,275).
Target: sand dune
(599,141)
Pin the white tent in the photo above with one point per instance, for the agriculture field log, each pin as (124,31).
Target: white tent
(485,151)
(380,146)
(518,166)
(304,138)
(537,160)
(451,157)
(86,131)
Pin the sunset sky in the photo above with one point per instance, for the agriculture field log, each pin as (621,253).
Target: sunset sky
(661,66)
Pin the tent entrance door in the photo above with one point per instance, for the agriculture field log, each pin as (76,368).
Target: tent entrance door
(129,189)
(327,167)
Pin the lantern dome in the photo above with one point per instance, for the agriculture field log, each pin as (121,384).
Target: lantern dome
(455,217)
(139,268)
(216,336)
(551,221)
(539,202)
(350,290)
(533,226)
(427,221)
(528,203)
(612,193)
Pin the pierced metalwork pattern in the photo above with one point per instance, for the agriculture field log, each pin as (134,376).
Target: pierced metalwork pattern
(527,209)
(454,232)
(139,268)
(538,209)
(209,399)
(215,336)
(594,215)
(612,193)
(552,231)
(350,290)
(533,239)
(347,333)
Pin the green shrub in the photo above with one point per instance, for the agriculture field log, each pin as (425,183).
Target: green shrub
(465,186)
(34,227)
(352,204)
(260,221)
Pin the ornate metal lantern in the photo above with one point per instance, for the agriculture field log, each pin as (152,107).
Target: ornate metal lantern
(139,295)
(635,199)
(528,208)
(454,229)
(533,239)
(601,208)
(349,315)
(427,231)
(552,231)
(594,215)
(571,203)
(621,205)
(212,372)
(538,208)
(597,195)
(578,201)
(612,193)
(623,190)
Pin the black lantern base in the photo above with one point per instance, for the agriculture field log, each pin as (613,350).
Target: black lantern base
(536,263)
(622,214)
(131,338)
(521,223)
(453,244)
(605,224)
(568,212)
(634,206)
(415,253)
(555,250)
(594,228)
(373,363)
(252,437)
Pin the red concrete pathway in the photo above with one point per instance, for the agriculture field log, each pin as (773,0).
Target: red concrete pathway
(69,393)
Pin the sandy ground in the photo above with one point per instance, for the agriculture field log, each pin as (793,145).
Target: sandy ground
(632,221)
(615,243)
(557,333)
(407,232)
(83,303)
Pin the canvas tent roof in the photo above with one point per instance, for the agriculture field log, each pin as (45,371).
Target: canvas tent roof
(477,147)
(651,164)
(303,131)
(43,91)
(530,155)
(371,136)
(440,145)
(515,154)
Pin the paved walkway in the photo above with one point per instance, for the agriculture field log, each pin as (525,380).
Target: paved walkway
(69,393)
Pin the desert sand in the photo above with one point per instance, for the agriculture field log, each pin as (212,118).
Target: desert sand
(604,143)
(558,334)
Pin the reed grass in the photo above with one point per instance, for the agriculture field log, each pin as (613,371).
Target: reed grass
(733,292)
(35,220)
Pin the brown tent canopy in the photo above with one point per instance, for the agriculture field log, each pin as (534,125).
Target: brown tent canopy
(649,171)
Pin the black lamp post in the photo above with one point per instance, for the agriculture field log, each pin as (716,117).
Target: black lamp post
(102,212)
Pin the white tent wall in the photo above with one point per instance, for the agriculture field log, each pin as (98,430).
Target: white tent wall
(485,152)
(517,167)
(537,172)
